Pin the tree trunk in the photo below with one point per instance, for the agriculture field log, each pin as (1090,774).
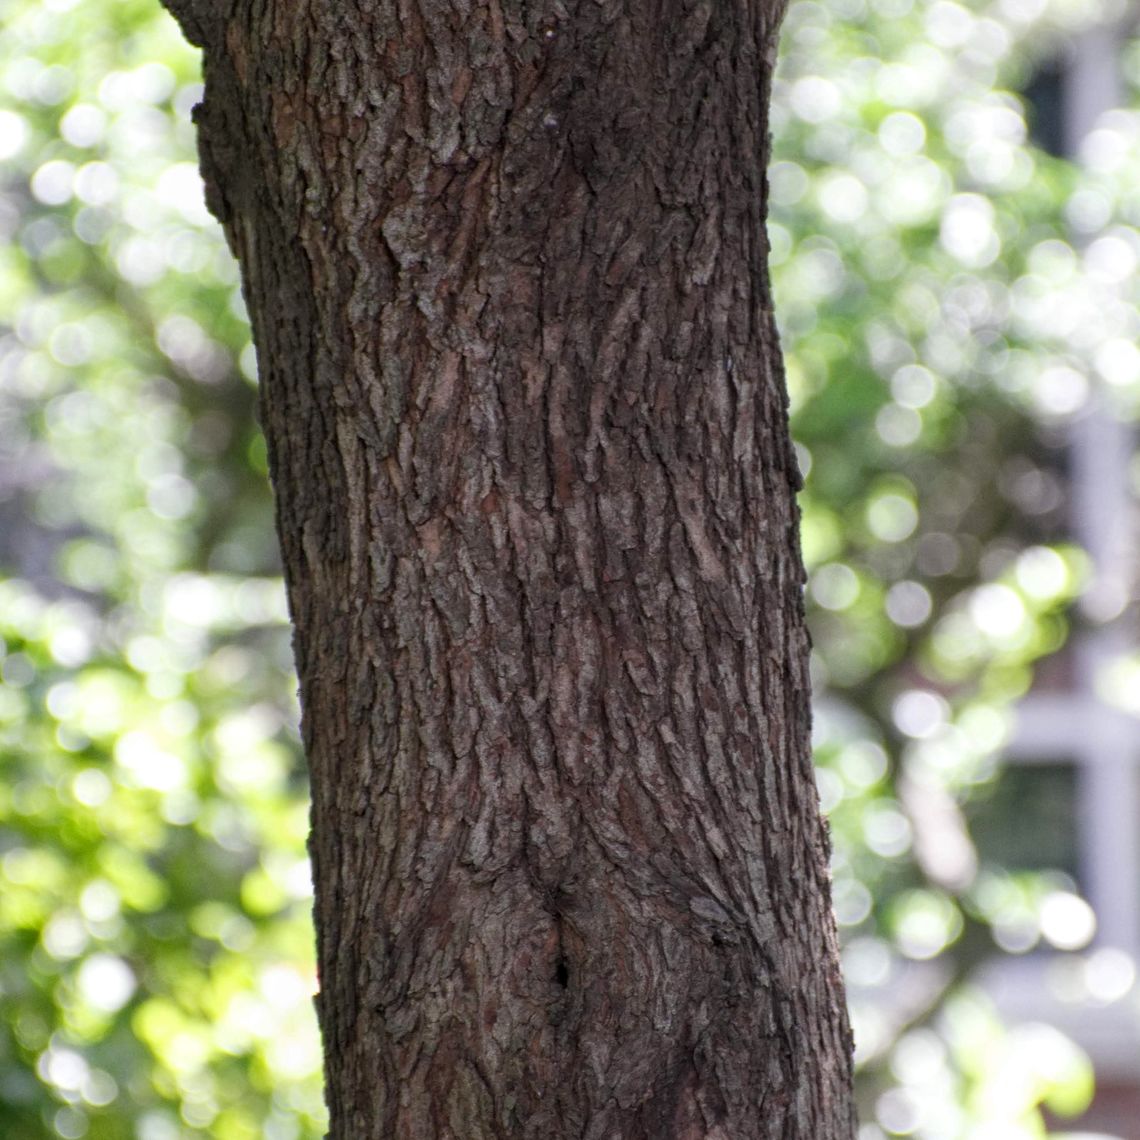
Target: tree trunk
(506,267)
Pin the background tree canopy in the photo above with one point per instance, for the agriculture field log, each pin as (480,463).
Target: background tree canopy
(948,292)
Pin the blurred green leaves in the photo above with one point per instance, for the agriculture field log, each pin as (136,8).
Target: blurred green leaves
(154,888)
(949,295)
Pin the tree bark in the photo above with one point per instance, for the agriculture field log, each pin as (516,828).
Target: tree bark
(506,266)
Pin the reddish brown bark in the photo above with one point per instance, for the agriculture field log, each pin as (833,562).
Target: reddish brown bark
(521,387)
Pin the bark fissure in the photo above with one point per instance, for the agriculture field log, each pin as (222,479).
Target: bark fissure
(527,429)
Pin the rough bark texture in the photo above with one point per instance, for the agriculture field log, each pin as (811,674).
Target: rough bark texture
(506,266)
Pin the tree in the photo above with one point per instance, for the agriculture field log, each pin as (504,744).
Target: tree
(154,899)
(535,491)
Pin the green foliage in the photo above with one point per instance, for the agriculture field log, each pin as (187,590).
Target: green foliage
(949,294)
(154,888)
(945,292)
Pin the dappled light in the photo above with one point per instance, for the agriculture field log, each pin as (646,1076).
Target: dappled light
(952,299)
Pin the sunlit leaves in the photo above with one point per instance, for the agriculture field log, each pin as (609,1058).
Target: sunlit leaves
(951,297)
(154,890)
